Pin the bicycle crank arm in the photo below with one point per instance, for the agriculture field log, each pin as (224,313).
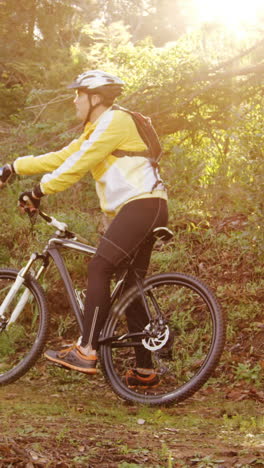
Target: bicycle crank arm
(119,339)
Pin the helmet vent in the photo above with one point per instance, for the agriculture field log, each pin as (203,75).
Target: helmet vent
(96,79)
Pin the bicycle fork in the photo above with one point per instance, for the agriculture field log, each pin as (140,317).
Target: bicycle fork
(20,279)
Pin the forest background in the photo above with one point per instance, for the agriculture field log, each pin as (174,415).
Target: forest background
(200,78)
(202,85)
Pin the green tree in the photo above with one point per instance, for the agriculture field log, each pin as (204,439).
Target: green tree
(162,20)
(29,25)
(35,46)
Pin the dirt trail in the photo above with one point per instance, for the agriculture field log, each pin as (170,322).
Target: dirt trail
(59,419)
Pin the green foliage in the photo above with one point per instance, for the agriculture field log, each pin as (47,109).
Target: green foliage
(248,373)
(12,100)
(208,112)
(42,25)
(246,425)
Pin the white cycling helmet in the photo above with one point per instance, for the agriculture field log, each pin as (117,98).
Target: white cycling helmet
(98,82)
(93,79)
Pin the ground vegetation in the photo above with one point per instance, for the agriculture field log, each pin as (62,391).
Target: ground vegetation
(204,92)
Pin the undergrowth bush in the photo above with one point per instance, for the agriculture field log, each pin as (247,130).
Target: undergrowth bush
(219,250)
(214,175)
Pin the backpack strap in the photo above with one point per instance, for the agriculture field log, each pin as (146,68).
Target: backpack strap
(121,153)
(147,153)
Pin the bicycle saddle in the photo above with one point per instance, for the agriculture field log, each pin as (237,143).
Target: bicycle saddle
(162,233)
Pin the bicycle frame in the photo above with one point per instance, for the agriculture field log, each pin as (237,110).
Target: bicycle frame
(52,250)
(71,241)
(54,245)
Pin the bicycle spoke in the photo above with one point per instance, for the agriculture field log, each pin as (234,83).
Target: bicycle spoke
(181,340)
(21,333)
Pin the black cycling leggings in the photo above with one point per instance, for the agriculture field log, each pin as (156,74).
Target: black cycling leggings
(125,238)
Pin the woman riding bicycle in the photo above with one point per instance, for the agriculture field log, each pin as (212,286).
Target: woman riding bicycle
(130,192)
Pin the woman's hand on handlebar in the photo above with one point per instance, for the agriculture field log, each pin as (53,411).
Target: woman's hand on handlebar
(29,201)
(5,173)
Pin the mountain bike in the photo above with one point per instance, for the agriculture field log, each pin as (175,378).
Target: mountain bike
(184,329)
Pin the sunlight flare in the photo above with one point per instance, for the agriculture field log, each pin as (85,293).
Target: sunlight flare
(231,13)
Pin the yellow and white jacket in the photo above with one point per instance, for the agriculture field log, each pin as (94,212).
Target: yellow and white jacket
(118,180)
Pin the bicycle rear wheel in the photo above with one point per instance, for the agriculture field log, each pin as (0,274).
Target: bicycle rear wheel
(185,347)
(22,341)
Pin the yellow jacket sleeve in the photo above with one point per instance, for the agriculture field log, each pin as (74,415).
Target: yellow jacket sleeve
(105,137)
(113,130)
(28,165)
(69,165)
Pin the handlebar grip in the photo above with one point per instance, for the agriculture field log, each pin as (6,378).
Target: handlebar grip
(27,206)
(28,203)
(6,172)
(45,216)
(2,183)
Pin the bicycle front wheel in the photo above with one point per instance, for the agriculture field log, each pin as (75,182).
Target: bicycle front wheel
(23,327)
(182,339)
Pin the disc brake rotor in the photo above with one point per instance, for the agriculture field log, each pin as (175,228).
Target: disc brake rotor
(158,340)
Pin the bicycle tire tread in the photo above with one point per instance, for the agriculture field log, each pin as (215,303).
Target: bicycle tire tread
(14,374)
(210,365)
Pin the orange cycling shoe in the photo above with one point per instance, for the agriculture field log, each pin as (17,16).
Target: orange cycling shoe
(136,379)
(73,358)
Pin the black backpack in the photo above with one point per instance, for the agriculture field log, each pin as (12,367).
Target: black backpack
(148,135)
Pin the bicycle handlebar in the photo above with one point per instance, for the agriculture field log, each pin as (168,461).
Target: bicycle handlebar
(29,209)
(62,227)
(1,173)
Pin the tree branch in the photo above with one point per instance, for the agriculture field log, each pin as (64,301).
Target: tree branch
(239,56)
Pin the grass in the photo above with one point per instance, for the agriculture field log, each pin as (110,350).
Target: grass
(215,251)
(62,418)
